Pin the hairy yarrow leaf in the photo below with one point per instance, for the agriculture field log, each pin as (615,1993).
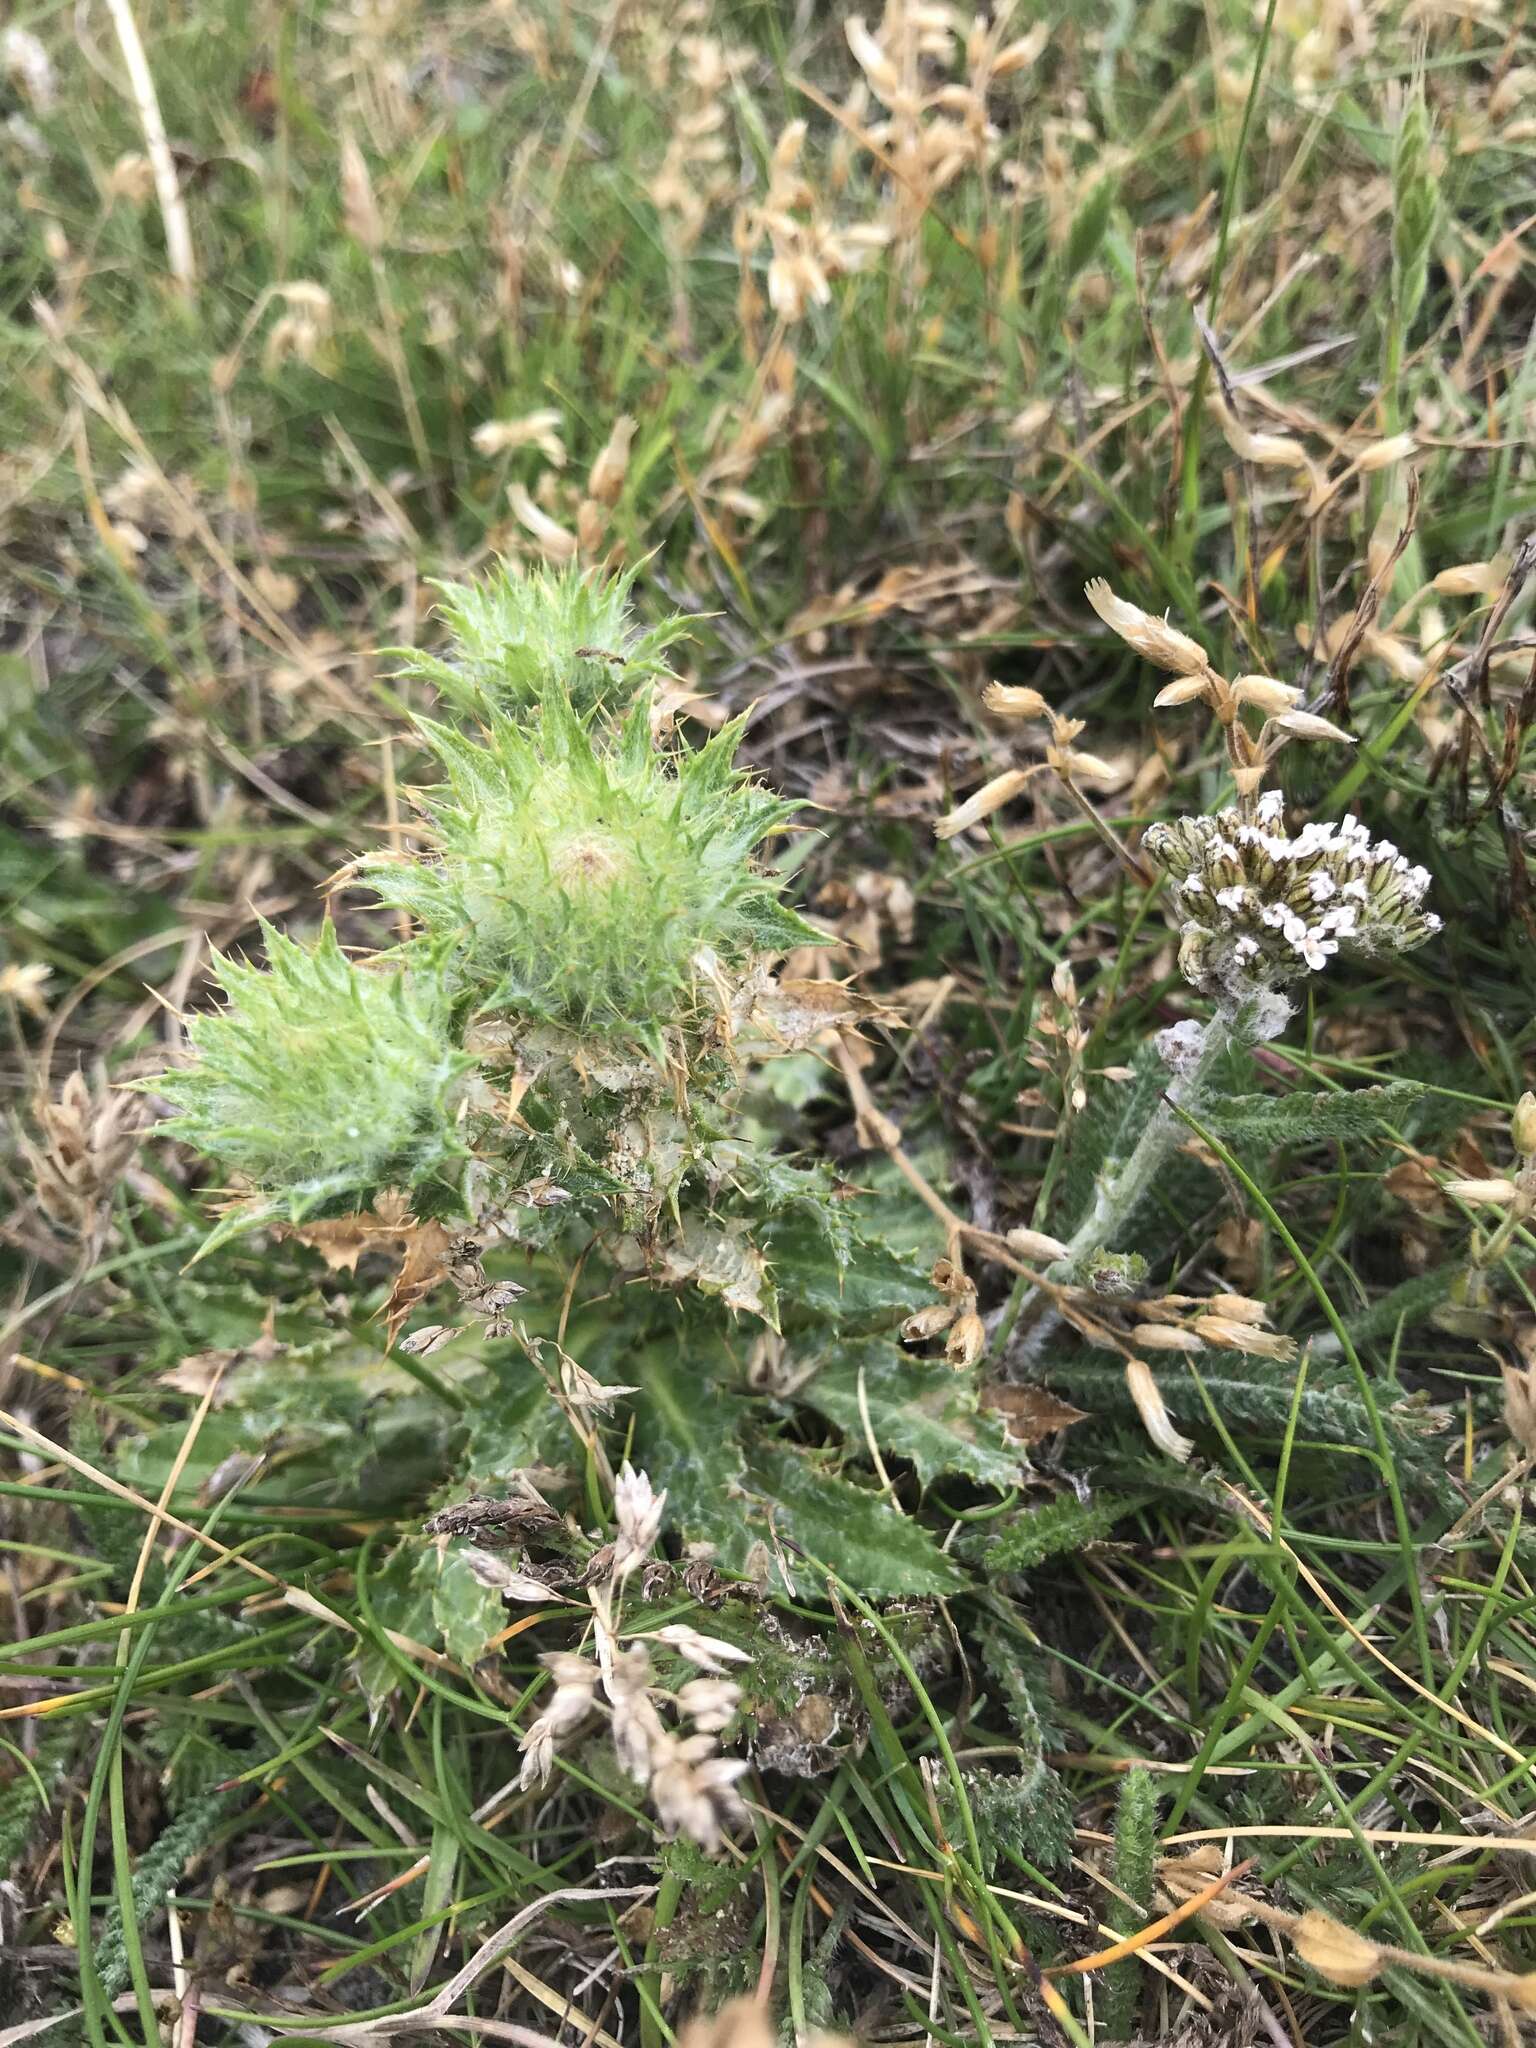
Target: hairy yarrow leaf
(588,884)
(516,634)
(1302,1117)
(320,1079)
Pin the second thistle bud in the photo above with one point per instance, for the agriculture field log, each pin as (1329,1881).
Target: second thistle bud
(1522,1125)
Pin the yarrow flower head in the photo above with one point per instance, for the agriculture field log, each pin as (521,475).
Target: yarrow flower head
(1258,908)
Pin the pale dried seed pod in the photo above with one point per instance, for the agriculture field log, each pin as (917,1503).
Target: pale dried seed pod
(1184,691)
(1241,1308)
(1253,1343)
(711,1653)
(929,1322)
(966,1341)
(871,59)
(554,540)
(1155,1419)
(1522,1125)
(1035,1244)
(1007,700)
(1265,451)
(1335,1951)
(1520,1405)
(1382,454)
(1002,789)
(1155,638)
(359,209)
(1494,1193)
(1306,725)
(1266,694)
(591,525)
(1072,763)
(1164,1337)
(88,1140)
(612,464)
(1473,579)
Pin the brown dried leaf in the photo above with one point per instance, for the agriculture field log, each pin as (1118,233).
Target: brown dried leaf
(424,1256)
(1030,1414)
(795,1013)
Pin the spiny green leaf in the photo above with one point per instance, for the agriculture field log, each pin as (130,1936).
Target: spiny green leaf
(1251,1394)
(916,1410)
(855,1279)
(877,1550)
(757,1513)
(581,878)
(466,1613)
(519,633)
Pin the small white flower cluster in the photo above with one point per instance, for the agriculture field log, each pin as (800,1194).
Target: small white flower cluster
(1258,908)
(691,1785)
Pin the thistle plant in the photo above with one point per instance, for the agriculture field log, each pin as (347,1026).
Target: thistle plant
(322,1079)
(591,924)
(583,880)
(515,630)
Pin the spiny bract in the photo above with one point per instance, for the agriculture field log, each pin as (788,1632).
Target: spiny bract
(516,633)
(320,1078)
(589,880)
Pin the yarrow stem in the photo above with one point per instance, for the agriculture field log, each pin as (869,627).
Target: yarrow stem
(1194,1054)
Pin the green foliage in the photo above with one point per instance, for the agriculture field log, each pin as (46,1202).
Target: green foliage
(1135,1858)
(156,1873)
(189,726)
(519,633)
(1407,1305)
(916,1410)
(1300,1117)
(824,1264)
(867,1541)
(1018,1543)
(1415,206)
(1253,1396)
(321,1079)
(586,884)
(27,1792)
(1104,1136)
(1089,223)
(1020,1817)
(758,1507)
(465,1612)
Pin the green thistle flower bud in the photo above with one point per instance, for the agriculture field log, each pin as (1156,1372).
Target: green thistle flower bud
(518,635)
(592,885)
(1257,909)
(320,1079)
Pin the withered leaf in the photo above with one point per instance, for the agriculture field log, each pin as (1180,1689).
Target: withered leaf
(1030,1413)
(794,1013)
